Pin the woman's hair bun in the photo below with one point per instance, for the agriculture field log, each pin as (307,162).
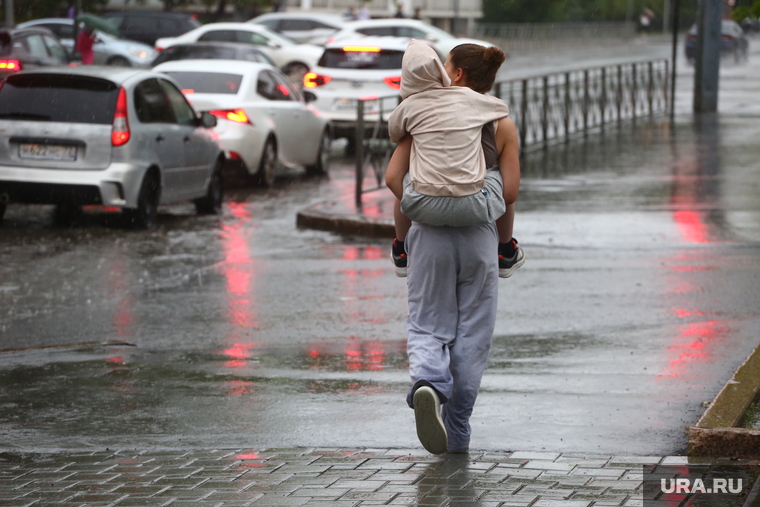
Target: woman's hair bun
(493,56)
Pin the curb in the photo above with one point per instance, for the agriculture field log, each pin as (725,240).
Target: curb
(314,218)
(718,431)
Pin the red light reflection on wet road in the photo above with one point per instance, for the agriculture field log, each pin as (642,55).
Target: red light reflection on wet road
(239,269)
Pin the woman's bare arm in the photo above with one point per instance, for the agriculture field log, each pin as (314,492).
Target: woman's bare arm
(399,166)
(508,144)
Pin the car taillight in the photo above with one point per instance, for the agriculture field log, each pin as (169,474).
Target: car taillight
(394,82)
(727,37)
(236,115)
(330,40)
(120,132)
(691,36)
(312,80)
(12,65)
(159,48)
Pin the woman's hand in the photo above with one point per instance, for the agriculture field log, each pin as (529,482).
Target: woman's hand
(399,166)
(508,144)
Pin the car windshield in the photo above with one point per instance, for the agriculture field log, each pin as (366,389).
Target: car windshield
(195,53)
(58,98)
(207,82)
(356,58)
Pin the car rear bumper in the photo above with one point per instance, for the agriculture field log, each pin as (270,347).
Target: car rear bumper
(242,142)
(117,185)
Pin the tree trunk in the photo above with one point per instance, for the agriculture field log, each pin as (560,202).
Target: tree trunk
(220,8)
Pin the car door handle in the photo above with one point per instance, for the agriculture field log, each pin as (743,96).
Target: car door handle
(186,138)
(159,138)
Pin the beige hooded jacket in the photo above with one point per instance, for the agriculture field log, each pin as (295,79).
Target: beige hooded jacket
(445,123)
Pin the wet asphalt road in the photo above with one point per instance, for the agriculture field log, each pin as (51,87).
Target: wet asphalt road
(638,300)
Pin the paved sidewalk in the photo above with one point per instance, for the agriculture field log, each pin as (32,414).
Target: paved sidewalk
(328,476)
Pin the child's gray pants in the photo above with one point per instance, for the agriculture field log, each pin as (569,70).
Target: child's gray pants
(453,276)
(482,207)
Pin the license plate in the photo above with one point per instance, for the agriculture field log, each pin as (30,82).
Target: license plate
(47,152)
(344,105)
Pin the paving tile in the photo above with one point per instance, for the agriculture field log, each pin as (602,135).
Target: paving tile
(547,456)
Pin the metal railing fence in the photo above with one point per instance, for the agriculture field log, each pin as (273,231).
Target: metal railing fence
(556,106)
(546,109)
(375,149)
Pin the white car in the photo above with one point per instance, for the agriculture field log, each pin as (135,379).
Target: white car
(108,50)
(305,27)
(295,60)
(443,42)
(262,120)
(352,69)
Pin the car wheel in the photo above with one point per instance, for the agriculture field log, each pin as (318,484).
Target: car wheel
(144,216)
(268,164)
(211,203)
(119,61)
(322,165)
(296,71)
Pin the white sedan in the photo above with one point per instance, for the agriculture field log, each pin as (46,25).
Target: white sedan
(295,60)
(443,42)
(262,120)
(357,69)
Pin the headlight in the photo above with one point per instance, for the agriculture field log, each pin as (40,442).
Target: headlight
(139,52)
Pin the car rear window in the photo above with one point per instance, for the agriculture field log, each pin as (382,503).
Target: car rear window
(207,82)
(339,58)
(58,98)
(195,53)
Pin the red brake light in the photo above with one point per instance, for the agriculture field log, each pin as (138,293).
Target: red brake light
(236,115)
(394,82)
(120,132)
(312,80)
(187,91)
(728,37)
(159,48)
(330,40)
(12,65)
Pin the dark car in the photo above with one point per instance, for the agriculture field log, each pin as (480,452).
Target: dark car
(148,26)
(733,42)
(29,48)
(212,51)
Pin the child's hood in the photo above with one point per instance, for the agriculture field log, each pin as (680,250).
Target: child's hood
(421,70)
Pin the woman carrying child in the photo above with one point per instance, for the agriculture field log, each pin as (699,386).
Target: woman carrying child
(448,133)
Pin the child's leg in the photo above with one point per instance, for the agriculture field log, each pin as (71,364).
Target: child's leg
(402,223)
(505,224)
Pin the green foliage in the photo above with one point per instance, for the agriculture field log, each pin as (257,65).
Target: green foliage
(744,11)
(544,11)
(25,10)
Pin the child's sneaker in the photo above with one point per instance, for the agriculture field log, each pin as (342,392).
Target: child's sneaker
(427,417)
(398,257)
(511,257)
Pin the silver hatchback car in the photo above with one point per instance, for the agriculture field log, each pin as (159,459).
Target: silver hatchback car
(116,137)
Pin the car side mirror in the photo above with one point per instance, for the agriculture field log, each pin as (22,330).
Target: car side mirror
(309,97)
(272,44)
(208,120)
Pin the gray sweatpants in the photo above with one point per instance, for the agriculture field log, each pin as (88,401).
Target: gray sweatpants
(482,207)
(453,287)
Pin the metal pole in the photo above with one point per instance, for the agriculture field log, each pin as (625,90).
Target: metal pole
(674,57)
(585,102)
(359,142)
(9,21)
(707,64)
(524,112)
(567,106)
(603,107)
(545,113)
(619,94)
(650,87)
(666,16)
(634,91)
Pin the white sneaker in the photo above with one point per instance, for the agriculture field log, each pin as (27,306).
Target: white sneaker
(427,416)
